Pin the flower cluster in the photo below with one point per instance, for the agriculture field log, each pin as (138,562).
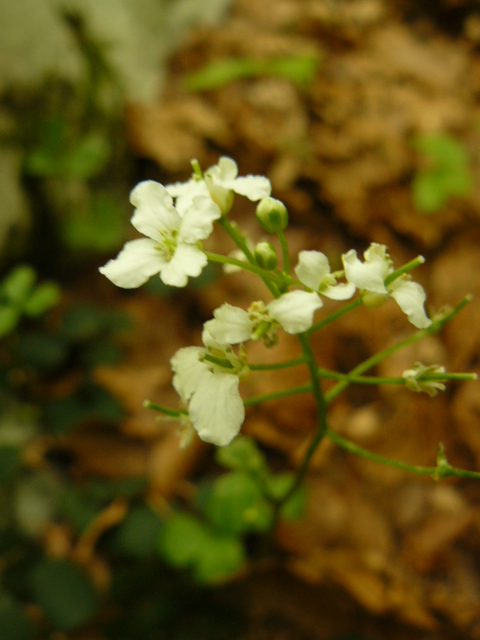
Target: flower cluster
(176,219)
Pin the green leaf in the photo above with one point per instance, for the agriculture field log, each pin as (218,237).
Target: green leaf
(99,226)
(236,504)
(64,592)
(221,557)
(14,622)
(44,297)
(43,351)
(87,158)
(9,317)
(294,507)
(428,192)
(88,402)
(137,535)
(182,539)
(17,285)
(299,69)
(242,454)
(448,175)
(186,542)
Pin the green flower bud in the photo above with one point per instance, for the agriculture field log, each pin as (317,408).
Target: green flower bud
(272,215)
(266,256)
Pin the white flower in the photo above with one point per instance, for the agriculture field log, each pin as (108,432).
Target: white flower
(219,183)
(412,382)
(207,379)
(224,175)
(172,233)
(293,311)
(313,270)
(370,276)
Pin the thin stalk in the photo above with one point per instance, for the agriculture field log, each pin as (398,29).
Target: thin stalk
(285,252)
(335,315)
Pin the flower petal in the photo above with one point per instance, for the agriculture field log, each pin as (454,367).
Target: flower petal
(216,409)
(225,170)
(339,291)
(252,187)
(312,268)
(188,369)
(198,218)
(185,192)
(135,264)
(294,310)
(410,297)
(369,275)
(154,209)
(187,260)
(231,325)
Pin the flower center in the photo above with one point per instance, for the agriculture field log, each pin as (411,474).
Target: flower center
(168,243)
(264,326)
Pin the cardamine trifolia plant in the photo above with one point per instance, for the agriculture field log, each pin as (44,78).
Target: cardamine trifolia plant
(176,219)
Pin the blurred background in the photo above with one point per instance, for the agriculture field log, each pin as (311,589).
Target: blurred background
(365,116)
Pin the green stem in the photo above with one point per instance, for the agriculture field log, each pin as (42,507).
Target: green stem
(322,427)
(275,395)
(168,412)
(413,264)
(335,315)
(277,365)
(381,355)
(442,470)
(285,252)
(237,236)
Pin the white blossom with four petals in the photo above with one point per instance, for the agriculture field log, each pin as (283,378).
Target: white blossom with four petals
(293,311)
(170,248)
(313,270)
(370,276)
(207,379)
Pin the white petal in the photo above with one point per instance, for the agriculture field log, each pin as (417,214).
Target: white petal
(184,192)
(188,370)
(312,268)
(154,209)
(253,187)
(225,170)
(410,297)
(135,264)
(365,275)
(231,325)
(187,261)
(197,222)
(339,291)
(294,310)
(216,409)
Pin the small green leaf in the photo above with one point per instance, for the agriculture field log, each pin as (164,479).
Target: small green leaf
(87,158)
(294,507)
(181,539)
(242,454)
(236,504)
(186,542)
(64,592)
(299,69)
(17,285)
(9,317)
(222,556)
(137,535)
(43,351)
(43,298)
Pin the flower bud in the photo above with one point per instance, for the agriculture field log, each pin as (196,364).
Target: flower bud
(272,215)
(266,256)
